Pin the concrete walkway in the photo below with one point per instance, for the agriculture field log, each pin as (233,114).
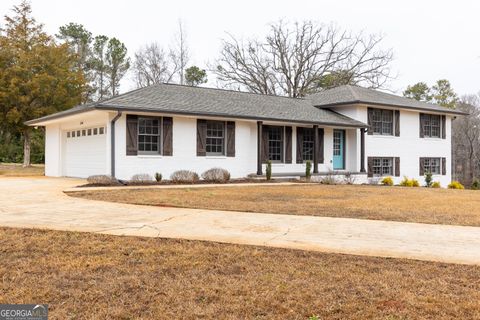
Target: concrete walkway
(40,203)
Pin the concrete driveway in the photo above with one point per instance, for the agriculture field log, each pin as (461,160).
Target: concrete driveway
(40,203)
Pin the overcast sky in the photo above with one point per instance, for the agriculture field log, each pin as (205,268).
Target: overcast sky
(431,39)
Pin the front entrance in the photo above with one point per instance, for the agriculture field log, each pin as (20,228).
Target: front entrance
(338,149)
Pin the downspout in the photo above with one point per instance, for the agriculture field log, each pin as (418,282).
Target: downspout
(112,143)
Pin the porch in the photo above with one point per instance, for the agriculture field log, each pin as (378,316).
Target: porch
(332,151)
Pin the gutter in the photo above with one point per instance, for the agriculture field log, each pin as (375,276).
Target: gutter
(112,143)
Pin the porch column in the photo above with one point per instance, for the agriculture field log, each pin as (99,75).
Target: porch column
(315,149)
(362,150)
(259,148)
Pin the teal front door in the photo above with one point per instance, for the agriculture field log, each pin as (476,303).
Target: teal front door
(338,149)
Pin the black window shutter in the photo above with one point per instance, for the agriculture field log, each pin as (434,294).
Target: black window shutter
(422,122)
(370,166)
(444,166)
(397,166)
(444,127)
(397,123)
(201,137)
(132,135)
(230,139)
(265,143)
(288,144)
(167,136)
(422,167)
(320,145)
(370,121)
(299,145)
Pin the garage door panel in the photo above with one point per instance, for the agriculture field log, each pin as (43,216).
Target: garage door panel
(85,156)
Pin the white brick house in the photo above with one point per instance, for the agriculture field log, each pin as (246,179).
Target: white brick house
(164,128)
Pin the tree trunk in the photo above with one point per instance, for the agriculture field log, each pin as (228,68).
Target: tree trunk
(26,148)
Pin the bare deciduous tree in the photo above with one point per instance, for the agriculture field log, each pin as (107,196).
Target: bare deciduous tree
(152,66)
(466,140)
(300,59)
(179,53)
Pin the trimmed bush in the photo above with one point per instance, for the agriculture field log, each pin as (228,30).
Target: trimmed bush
(218,175)
(184,176)
(387,181)
(329,179)
(308,170)
(436,184)
(475,184)
(409,182)
(158,176)
(141,178)
(268,172)
(455,185)
(102,180)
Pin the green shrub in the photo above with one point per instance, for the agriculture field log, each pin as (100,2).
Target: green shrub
(269,170)
(428,179)
(409,182)
(158,176)
(475,184)
(455,185)
(308,170)
(436,184)
(415,183)
(387,181)
(406,182)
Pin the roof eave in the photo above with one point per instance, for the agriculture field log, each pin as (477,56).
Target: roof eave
(55,116)
(449,111)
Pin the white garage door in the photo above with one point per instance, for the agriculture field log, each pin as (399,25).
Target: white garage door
(85,152)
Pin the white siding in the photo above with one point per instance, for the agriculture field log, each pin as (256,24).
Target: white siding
(408,146)
(184,152)
(93,157)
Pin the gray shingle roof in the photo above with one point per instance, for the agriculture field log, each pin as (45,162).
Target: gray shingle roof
(177,99)
(186,100)
(353,94)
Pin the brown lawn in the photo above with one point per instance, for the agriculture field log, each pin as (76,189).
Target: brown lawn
(16,170)
(91,276)
(439,206)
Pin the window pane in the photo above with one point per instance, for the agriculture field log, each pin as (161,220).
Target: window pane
(382,122)
(382,166)
(275,143)
(215,137)
(307,148)
(148,135)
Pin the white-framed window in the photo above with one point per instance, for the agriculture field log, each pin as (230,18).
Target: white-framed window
(275,143)
(308,144)
(382,166)
(432,165)
(382,122)
(431,125)
(149,135)
(215,140)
